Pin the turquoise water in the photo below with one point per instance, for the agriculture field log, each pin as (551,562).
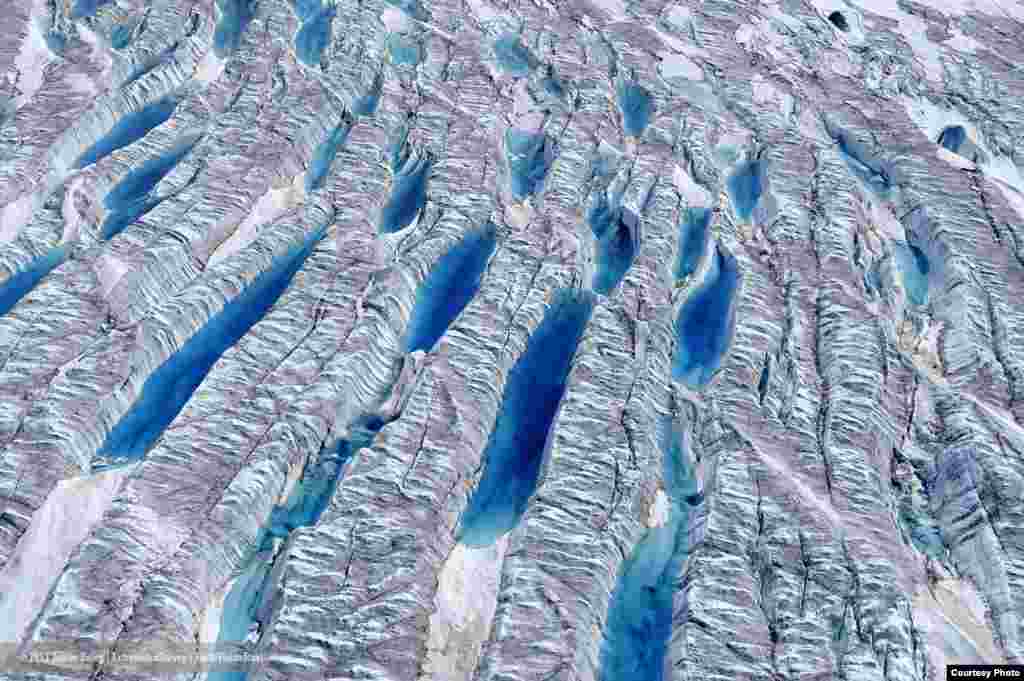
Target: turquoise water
(512,57)
(615,247)
(132,197)
(914,268)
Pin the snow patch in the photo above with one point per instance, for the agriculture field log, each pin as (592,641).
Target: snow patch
(271,206)
(15,216)
(32,58)
(679,66)
(464,605)
(952,617)
(57,528)
(209,69)
(109,271)
(695,195)
(659,511)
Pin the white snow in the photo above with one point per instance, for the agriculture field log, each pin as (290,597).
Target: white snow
(464,605)
(61,524)
(109,271)
(271,206)
(659,510)
(15,215)
(33,57)
(396,21)
(209,69)
(695,195)
(675,65)
(72,218)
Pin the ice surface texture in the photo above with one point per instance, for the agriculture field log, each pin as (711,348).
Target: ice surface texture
(380,308)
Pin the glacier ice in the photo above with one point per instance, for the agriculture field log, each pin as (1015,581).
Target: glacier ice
(793,230)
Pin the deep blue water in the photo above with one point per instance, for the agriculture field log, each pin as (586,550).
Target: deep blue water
(131,128)
(745,186)
(637,106)
(525,152)
(615,244)
(233,18)
(448,288)
(703,326)
(532,394)
(323,156)
(693,240)
(639,621)
(872,173)
(166,391)
(408,194)
(512,57)
(132,197)
(914,268)
(314,34)
(247,602)
(23,281)
(86,8)
(953,137)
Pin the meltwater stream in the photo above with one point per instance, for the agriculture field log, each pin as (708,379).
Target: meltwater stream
(639,622)
(533,392)
(250,599)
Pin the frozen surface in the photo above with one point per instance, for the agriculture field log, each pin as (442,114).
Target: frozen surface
(794,229)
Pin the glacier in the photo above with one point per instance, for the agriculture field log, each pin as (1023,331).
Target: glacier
(409,340)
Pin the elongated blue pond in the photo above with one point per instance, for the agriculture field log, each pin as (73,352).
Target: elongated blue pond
(533,391)
(324,155)
(131,128)
(233,16)
(639,622)
(693,240)
(20,283)
(637,106)
(745,187)
(704,326)
(132,197)
(408,192)
(525,153)
(448,288)
(914,268)
(614,231)
(314,34)
(166,391)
